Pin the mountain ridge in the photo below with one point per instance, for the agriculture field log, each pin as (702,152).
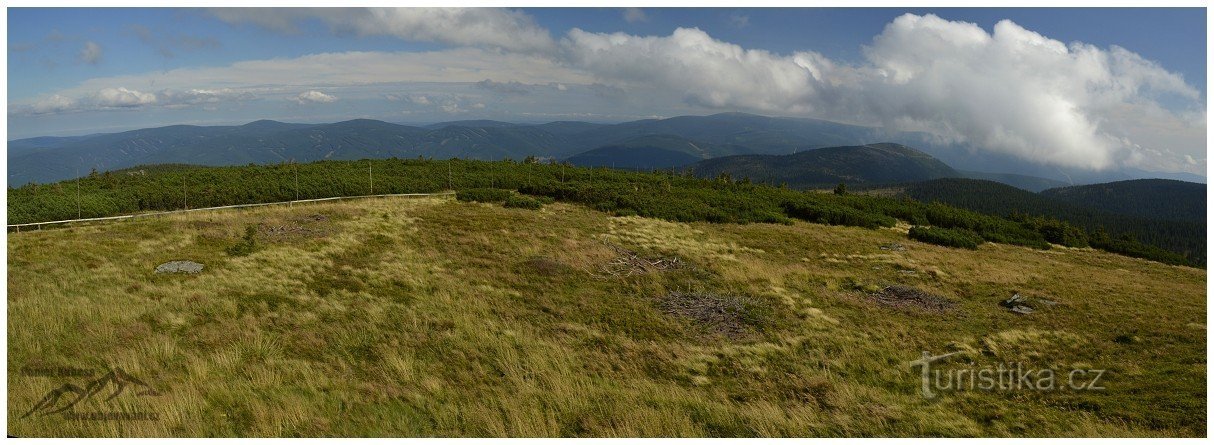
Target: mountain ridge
(47,159)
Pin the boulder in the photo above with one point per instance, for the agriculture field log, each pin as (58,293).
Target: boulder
(180,266)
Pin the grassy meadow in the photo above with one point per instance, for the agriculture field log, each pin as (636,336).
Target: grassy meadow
(434,317)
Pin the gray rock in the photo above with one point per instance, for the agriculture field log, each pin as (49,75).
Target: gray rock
(1018,304)
(1022,310)
(180,266)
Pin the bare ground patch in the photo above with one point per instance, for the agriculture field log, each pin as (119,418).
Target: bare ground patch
(547,266)
(295,227)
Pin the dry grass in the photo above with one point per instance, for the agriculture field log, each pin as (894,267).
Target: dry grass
(428,317)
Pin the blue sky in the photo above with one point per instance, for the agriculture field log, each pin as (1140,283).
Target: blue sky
(1138,96)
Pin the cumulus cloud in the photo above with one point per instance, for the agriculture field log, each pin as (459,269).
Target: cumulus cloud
(484,27)
(197,96)
(91,53)
(1018,92)
(106,98)
(122,98)
(707,71)
(634,15)
(314,97)
(49,105)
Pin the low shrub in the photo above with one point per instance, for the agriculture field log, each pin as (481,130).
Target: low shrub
(522,202)
(839,215)
(963,238)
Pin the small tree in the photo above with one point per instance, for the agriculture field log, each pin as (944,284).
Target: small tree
(841,189)
(247,243)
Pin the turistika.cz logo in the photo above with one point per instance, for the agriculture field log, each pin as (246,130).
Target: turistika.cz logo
(1009,376)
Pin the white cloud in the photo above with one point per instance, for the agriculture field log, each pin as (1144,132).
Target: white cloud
(313,96)
(482,27)
(635,15)
(1015,91)
(122,98)
(708,72)
(49,105)
(91,53)
(125,98)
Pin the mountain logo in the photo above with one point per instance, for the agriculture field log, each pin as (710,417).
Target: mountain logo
(67,396)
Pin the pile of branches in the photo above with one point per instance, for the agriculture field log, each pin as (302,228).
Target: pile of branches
(628,263)
(726,315)
(902,297)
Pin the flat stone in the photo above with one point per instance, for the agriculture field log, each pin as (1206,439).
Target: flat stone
(180,266)
(1022,310)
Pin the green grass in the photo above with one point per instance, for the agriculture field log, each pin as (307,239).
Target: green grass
(434,317)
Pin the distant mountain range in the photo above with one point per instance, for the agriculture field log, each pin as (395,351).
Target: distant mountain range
(644,144)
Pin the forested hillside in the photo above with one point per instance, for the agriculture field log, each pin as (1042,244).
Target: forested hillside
(1146,198)
(872,164)
(1186,237)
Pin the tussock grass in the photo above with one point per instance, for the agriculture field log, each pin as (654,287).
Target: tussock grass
(432,317)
